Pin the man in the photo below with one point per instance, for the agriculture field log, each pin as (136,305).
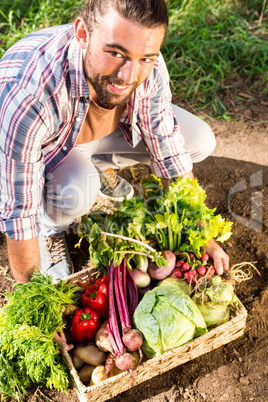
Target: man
(78,101)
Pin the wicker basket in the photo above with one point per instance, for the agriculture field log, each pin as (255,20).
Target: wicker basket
(206,343)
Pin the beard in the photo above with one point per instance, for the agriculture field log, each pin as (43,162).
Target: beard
(105,97)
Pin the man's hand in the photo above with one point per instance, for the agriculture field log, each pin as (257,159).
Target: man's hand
(220,258)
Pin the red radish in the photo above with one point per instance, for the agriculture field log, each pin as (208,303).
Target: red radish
(192,272)
(177,273)
(186,266)
(179,264)
(204,257)
(191,255)
(186,275)
(163,272)
(201,270)
(211,271)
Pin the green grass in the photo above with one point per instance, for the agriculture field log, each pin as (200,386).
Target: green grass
(214,44)
(26,16)
(211,45)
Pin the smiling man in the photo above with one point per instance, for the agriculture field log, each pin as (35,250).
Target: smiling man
(77,102)
(119,55)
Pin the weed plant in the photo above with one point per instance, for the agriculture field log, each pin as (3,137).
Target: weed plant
(211,45)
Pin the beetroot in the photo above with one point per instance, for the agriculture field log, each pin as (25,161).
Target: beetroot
(124,362)
(123,299)
(132,339)
(163,272)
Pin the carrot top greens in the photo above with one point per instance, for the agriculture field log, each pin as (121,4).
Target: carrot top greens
(28,352)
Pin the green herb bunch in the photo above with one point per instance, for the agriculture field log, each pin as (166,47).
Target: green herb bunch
(28,323)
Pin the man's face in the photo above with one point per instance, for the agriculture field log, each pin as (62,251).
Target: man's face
(119,56)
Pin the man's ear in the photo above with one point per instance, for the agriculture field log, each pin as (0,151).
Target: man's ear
(81,32)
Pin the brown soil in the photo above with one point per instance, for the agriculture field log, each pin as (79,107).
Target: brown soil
(236,181)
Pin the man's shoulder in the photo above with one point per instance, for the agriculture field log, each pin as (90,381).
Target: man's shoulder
(39,38)
(37,57)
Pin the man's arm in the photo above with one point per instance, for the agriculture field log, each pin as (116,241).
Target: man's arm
(24,258)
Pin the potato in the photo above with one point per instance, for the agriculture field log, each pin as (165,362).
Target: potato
(114,371)
(102,338)
(85,372)
(90,354)
(78,363)
(98,375)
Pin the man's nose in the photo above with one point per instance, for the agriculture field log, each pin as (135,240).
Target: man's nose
(129,72)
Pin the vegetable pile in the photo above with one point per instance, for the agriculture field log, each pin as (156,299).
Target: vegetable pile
(156,290)
(151,249)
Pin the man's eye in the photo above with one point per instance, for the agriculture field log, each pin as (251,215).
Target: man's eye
(145,60)
(116,54)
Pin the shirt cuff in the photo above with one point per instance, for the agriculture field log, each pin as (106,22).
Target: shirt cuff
(173,166)
(20,228)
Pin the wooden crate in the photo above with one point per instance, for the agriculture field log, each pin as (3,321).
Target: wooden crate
(215,338)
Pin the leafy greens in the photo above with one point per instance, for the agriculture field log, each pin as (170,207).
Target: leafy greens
(176,219)
(28,323)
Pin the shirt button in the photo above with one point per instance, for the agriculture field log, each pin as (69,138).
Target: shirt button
(78,119)
(64,148)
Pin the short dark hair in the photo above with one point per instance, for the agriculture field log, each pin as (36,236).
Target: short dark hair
(149,13)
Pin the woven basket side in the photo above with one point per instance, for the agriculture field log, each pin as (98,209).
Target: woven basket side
(87,275)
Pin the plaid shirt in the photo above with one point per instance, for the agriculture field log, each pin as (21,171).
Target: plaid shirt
(44,99)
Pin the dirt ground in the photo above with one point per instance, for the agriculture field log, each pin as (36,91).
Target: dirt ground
(235,178)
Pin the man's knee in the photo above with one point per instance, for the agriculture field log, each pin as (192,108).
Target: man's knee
(205,143)
(198,136)
(78,198)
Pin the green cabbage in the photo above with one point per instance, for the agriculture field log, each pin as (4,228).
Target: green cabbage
(167,318)
(176,283)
